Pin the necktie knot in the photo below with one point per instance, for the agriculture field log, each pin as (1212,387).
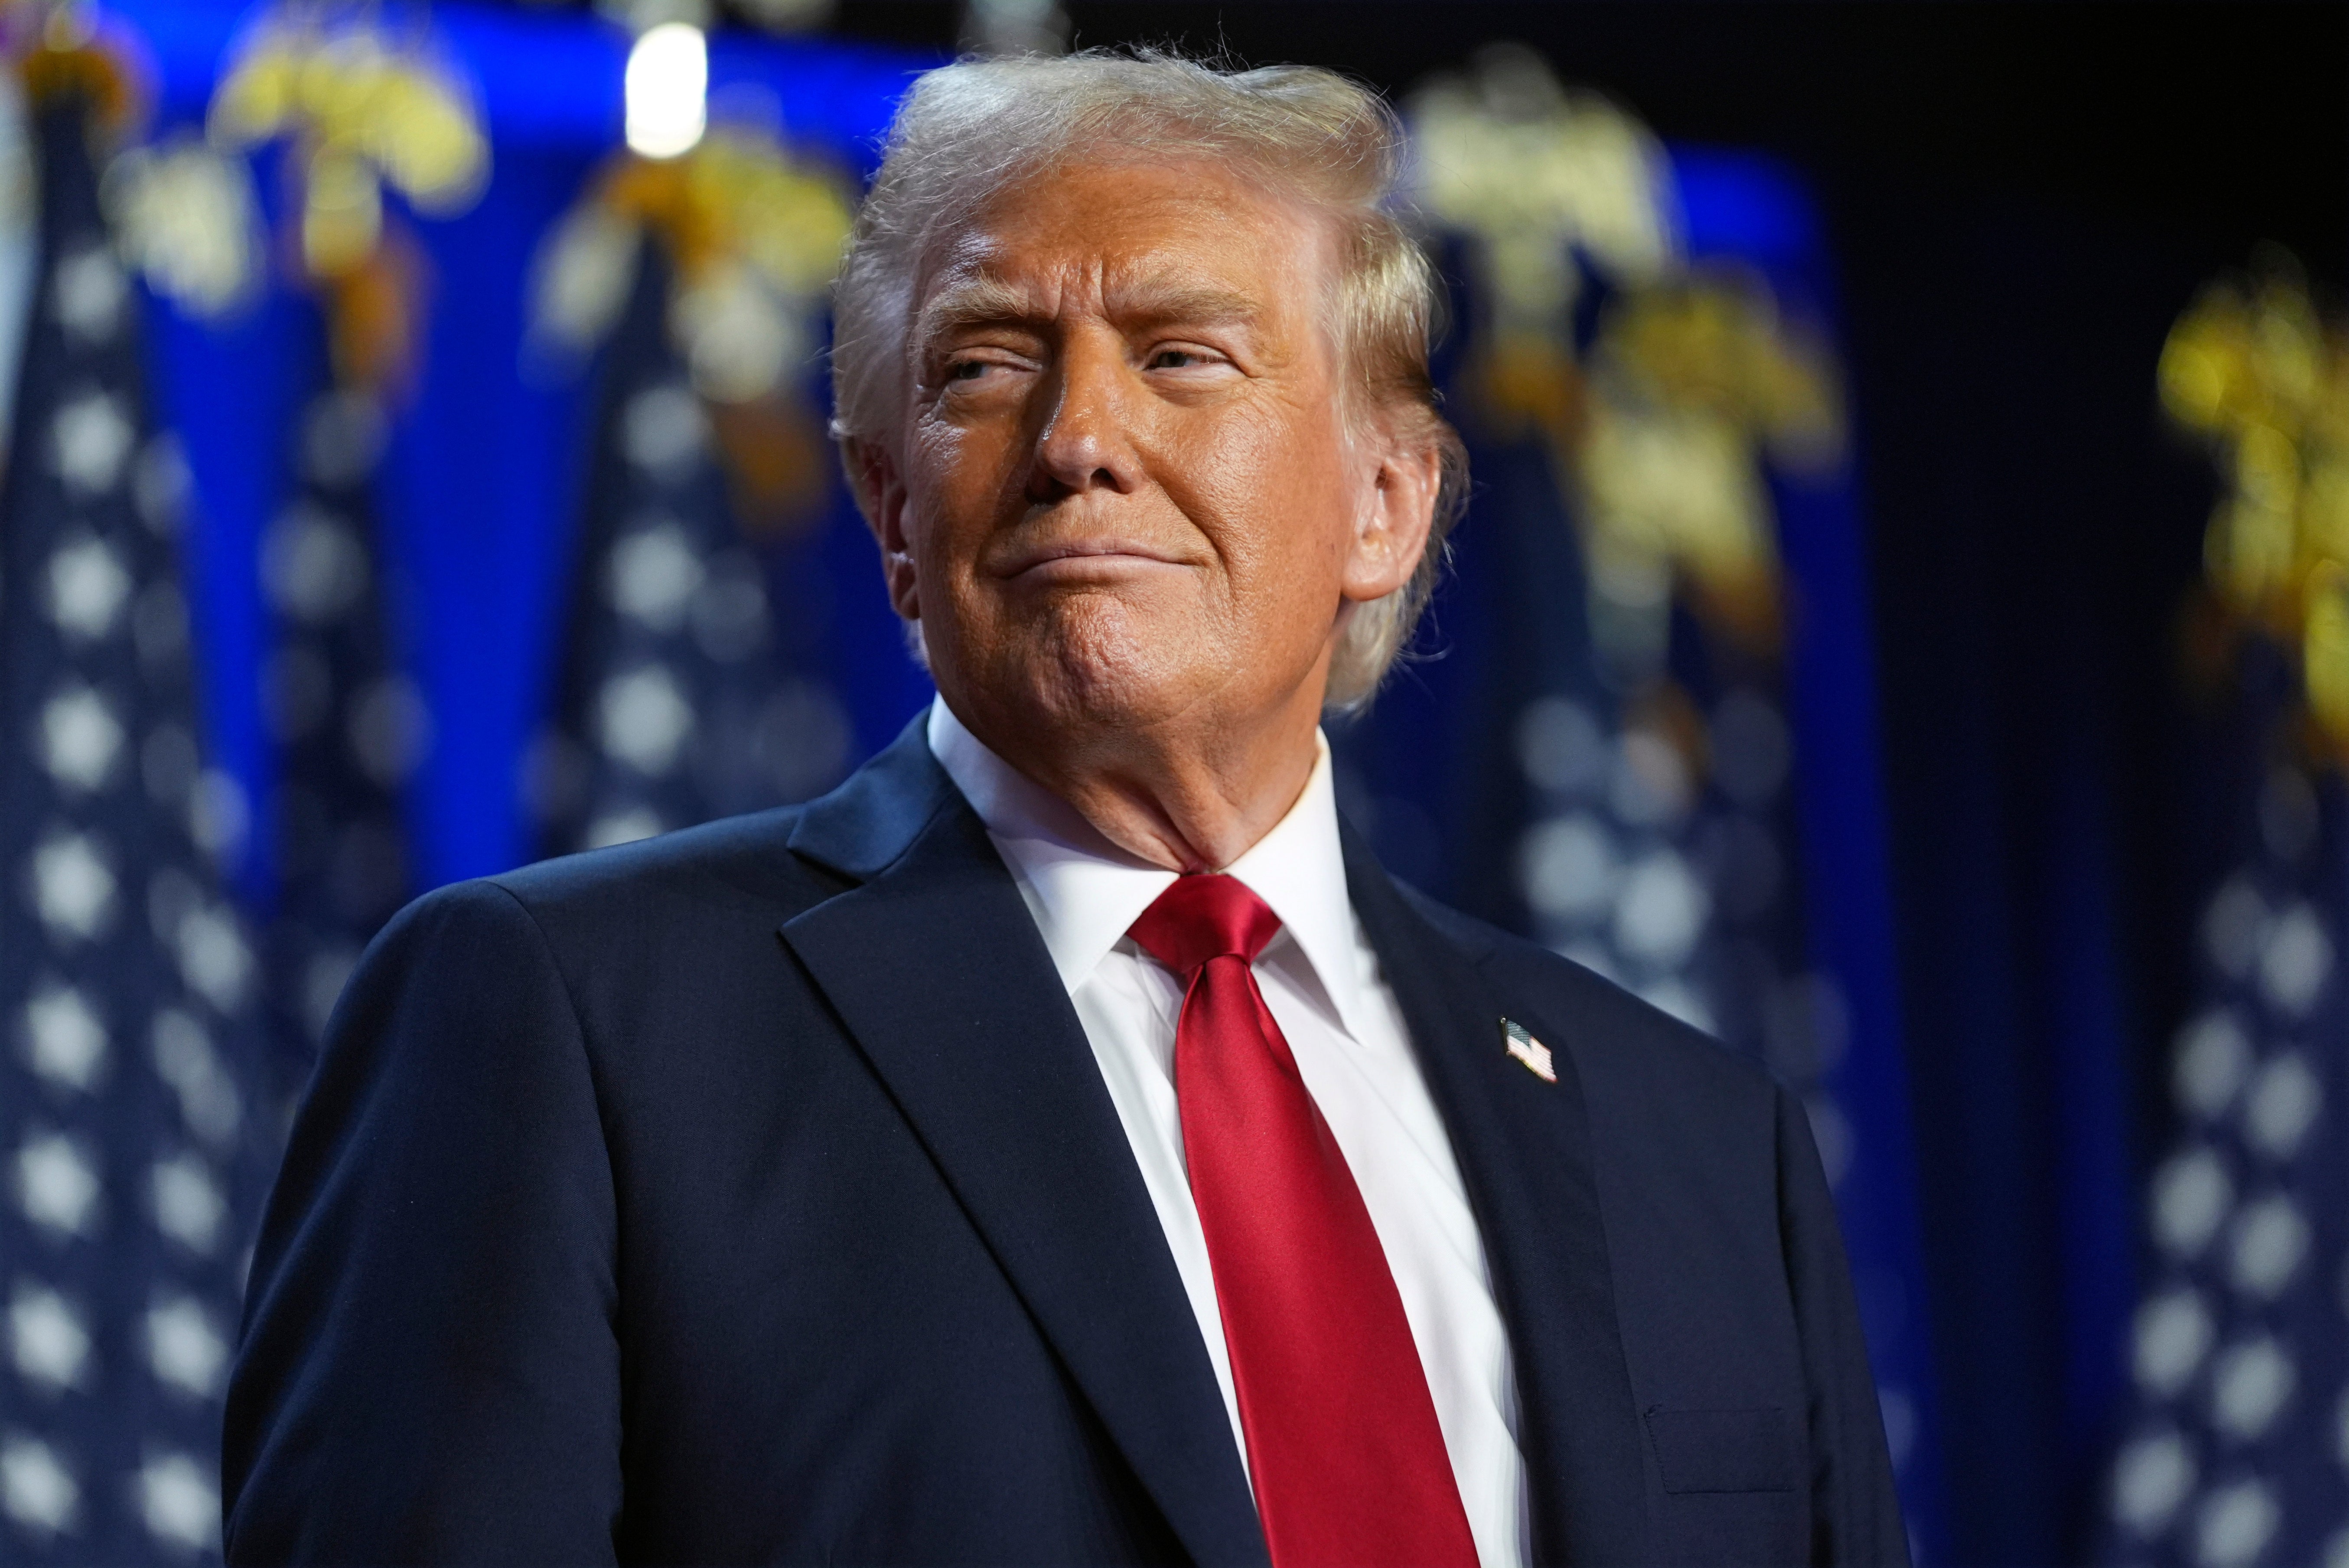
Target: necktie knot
(1202,917)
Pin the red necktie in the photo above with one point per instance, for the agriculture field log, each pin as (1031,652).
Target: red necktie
(1342,1443)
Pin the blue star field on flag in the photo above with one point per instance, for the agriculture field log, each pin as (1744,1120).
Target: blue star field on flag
(134,1154)
(679,703)
(349,728)
(2237,1454)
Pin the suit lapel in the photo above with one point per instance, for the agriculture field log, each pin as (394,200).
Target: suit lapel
(1524,1147)
(938,971)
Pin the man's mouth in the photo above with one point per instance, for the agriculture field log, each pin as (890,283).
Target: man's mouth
(1081,559)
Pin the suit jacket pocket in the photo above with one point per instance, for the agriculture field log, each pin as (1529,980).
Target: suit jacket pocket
(1726,1450)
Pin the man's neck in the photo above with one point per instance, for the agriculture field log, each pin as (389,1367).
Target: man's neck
(1195,799)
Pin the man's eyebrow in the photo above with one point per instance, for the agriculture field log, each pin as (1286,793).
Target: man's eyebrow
(973,301)
(981,300)
(1184,301)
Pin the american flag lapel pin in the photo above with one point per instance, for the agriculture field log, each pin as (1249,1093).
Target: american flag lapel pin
(1534,1055)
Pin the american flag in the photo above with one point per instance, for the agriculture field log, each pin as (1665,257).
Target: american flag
(2237,1452)
(348,727)
(128,1122)
(678,702)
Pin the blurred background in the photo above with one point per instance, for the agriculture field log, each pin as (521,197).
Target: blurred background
(1901,626)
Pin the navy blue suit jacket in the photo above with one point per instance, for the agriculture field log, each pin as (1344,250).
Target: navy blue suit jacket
(750,1195)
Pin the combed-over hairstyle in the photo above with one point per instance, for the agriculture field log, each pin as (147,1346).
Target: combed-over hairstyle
(967,130)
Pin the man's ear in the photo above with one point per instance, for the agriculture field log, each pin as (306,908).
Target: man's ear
(1391,533)
(881,497)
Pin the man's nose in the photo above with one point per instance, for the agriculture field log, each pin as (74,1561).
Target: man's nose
(1085,443)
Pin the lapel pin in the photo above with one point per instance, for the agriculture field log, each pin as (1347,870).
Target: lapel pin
(1532,1053)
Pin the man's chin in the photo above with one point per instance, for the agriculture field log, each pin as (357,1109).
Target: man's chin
(1104,696)
(1092,676)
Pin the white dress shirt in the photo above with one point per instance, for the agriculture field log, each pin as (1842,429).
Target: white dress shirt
(1321,981)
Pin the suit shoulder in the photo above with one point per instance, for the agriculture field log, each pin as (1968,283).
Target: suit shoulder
(477,919)
(732,861)
(1616,1037)
(606,905)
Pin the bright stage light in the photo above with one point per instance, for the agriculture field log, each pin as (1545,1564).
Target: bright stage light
(667,88)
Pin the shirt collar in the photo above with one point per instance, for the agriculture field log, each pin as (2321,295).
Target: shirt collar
(1085,892)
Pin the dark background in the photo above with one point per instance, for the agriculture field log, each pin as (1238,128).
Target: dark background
(2020,199)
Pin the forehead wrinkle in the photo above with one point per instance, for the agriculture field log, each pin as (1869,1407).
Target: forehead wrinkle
(1162,292)
(1148,287)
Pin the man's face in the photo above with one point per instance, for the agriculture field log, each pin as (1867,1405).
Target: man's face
(1127,495)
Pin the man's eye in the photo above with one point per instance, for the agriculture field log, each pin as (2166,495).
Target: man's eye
(1173,360)
(966,369)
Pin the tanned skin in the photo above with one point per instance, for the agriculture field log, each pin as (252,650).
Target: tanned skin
(1126,502)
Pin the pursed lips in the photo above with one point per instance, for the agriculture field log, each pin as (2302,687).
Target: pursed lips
(1083,557)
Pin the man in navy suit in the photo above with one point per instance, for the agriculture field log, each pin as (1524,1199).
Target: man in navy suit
(1063,1143)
